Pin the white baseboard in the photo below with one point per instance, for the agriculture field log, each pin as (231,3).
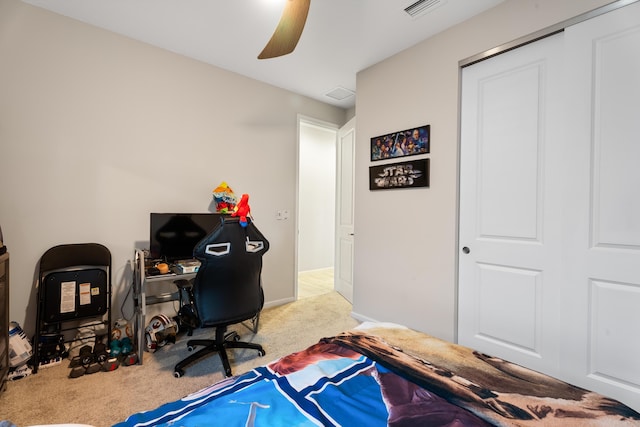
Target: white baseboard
(362,318)
(278,302)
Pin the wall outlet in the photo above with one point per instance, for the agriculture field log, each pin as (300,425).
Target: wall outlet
(281,215)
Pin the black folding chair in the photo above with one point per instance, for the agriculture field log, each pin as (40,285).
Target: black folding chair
(74,283)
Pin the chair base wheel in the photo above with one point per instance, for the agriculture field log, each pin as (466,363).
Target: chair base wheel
(223,342)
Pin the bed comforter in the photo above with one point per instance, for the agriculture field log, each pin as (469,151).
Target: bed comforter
(395,377)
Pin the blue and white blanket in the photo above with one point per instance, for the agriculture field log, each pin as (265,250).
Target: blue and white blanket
(358,379)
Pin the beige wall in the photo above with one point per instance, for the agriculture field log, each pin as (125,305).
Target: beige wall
(405,247)
(97,131)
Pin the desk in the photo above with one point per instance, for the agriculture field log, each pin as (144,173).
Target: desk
(143,295)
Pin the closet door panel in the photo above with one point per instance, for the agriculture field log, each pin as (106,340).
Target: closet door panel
(614,357)
(509,146)
(508,273)
(515,325)
(616,109)
(601,294)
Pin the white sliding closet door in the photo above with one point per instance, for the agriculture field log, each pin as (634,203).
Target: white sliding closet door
(509,205)
(601,290)
(550,205)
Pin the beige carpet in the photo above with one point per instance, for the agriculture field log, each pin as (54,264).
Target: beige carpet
(105,398)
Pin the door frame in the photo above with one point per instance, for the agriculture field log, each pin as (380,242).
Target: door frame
(545,32)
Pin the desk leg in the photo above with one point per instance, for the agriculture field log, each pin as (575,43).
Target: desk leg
(140,303)
(141,320)
(140,334)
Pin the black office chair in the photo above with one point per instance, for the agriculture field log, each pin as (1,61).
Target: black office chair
(227,288)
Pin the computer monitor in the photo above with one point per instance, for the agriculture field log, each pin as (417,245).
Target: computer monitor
(174,235)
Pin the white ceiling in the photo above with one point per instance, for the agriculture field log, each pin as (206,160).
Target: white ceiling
(341,37)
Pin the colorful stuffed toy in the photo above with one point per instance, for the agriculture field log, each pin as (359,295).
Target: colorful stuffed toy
(242,210)
(224,198)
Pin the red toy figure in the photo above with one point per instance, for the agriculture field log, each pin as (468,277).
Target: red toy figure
(242,210)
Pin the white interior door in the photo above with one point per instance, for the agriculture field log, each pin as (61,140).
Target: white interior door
(550,205)
(509,227)
(602,221)
(343,272)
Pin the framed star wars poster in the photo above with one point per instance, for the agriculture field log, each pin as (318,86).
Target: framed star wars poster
(409,174)
(409,142)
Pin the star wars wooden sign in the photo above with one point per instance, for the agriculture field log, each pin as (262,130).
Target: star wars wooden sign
(409,174)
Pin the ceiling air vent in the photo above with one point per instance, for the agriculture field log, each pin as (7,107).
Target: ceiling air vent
(421,6)
(340,93)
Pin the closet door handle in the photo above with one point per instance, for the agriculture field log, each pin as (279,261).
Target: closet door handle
(466,250)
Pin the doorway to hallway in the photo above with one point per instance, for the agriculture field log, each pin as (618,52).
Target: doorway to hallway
(316,207)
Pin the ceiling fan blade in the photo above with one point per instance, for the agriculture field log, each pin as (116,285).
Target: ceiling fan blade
(289,29)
